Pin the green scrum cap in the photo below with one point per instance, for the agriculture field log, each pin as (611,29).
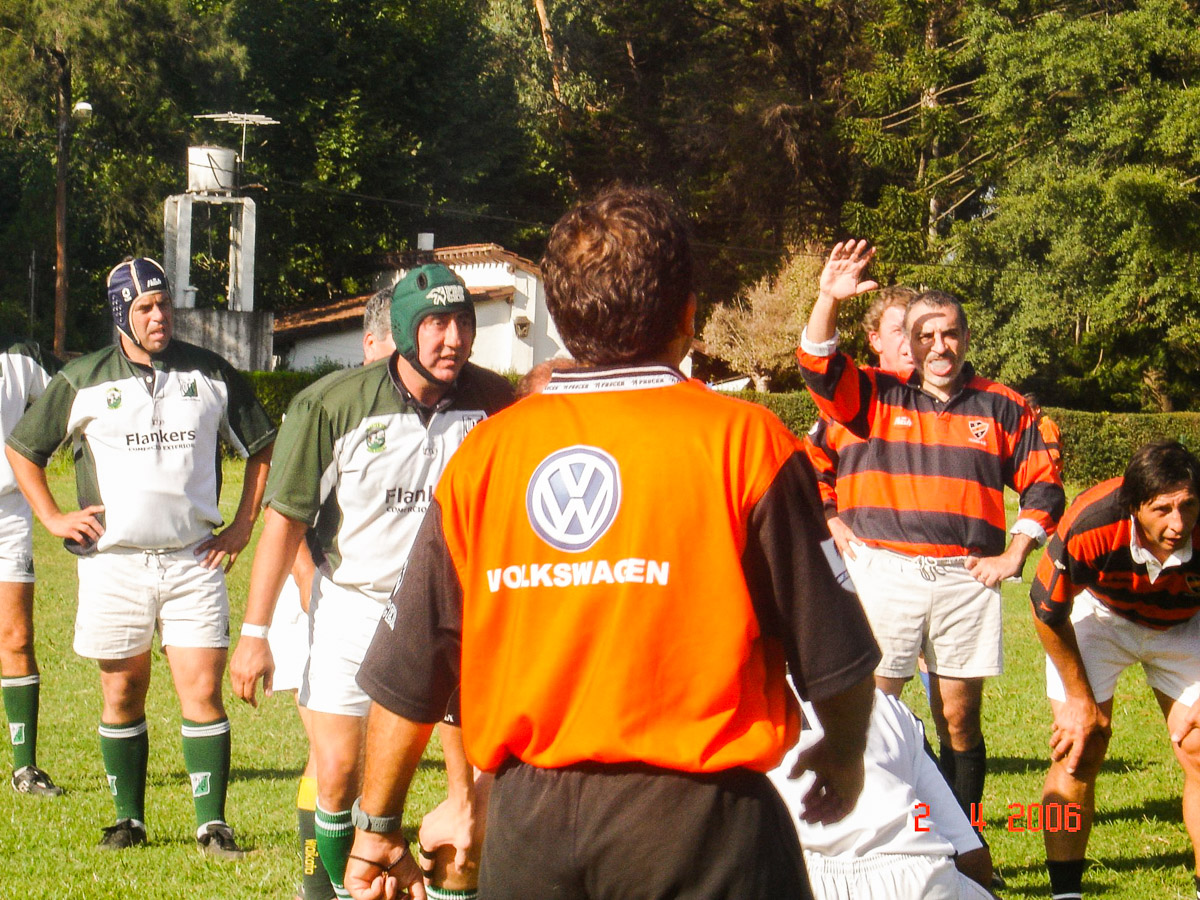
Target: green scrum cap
(425,291)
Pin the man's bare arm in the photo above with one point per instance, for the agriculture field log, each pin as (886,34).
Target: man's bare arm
(273,558)
(82,526)
(234,537)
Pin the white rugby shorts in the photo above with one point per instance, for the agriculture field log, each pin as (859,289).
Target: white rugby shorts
(16,539)
(126,595)
(343,622)
(1110,643)
(894,876)
(918,603)
(288,638)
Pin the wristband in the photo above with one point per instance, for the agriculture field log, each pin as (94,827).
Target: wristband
(254,631)
(373,824)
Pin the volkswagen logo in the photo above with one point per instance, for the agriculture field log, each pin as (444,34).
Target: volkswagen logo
(573,497)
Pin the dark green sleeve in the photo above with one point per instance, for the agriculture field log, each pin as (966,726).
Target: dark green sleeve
(302,454)
(44,426)
(248,421)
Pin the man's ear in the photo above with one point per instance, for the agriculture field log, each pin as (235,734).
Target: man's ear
(687,325)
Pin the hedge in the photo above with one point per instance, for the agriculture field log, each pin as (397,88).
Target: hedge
(1095,446)
(275,390)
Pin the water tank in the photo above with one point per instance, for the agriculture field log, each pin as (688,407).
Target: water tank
(211,170)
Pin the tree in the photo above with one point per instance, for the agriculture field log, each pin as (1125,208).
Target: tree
(396,118)
(758,332)
(1082,266)
(144,67)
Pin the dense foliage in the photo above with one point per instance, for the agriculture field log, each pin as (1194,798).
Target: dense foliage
(1037,156)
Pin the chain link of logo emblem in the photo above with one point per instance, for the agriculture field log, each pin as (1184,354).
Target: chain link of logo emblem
(573,497)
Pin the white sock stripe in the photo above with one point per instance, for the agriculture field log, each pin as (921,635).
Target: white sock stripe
(212,729)
(122,732)
(20,681)
(320,817)
(1073,896)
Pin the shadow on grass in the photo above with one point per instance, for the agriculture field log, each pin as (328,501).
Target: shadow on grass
(1025,765)
(1163,809)
(1092,887)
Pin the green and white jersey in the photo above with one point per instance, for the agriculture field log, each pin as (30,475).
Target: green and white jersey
(145,440)
(355,462)
(24,375)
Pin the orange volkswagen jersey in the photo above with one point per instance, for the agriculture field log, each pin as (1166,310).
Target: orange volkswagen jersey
(638,559)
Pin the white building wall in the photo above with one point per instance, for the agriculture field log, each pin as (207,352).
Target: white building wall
(343,347)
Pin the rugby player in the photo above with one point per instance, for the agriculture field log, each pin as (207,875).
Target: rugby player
(613,573)
(360,452)
(1119,585)
(924,494)
(144,417)
(24,375)
(288,634)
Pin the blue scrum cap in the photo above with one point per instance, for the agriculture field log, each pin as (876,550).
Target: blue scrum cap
(128,281)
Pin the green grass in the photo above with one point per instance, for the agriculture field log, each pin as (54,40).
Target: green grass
(47,846)
(1139,847)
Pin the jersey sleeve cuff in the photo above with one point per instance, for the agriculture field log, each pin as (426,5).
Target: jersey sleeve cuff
(32,455)
(822,348)
(1030,528)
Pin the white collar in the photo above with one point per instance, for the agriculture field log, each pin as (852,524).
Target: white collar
(1143,556)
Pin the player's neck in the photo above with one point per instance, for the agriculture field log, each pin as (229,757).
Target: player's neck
(134,353)
(424,391)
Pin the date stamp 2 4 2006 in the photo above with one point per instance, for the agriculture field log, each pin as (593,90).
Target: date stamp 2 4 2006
(1034,817)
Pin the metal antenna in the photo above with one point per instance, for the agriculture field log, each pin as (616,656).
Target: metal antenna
(243,119)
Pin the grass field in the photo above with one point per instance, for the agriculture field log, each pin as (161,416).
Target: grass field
(1139,848)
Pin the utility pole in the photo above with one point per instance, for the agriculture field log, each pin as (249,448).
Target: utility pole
(60,203)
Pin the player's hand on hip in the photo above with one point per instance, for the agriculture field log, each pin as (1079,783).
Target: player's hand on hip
(81,525)
(991,570)
(251,661)
(843,537)
(224,547)
(840,279)
(837,787)
(381,867)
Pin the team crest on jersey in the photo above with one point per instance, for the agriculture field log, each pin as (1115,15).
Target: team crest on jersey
(201,783)
(187,389)
(113,398)
(16,733)
(376,439)
(573,497)
(979,429)
(1193,583)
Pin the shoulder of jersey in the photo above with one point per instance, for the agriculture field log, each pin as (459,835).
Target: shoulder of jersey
(96,367)
(492,384)
(342,382)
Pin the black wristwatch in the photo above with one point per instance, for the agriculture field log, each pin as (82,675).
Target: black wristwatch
(373,824)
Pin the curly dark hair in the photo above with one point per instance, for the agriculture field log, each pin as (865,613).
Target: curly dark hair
(1160,467)
(618,274)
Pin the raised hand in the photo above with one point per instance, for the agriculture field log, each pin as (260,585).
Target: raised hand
(842,276)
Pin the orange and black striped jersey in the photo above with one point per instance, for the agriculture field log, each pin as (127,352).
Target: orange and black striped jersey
(1053,438)
(927,477)
(616,570)
(822,446)
(1091,550)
